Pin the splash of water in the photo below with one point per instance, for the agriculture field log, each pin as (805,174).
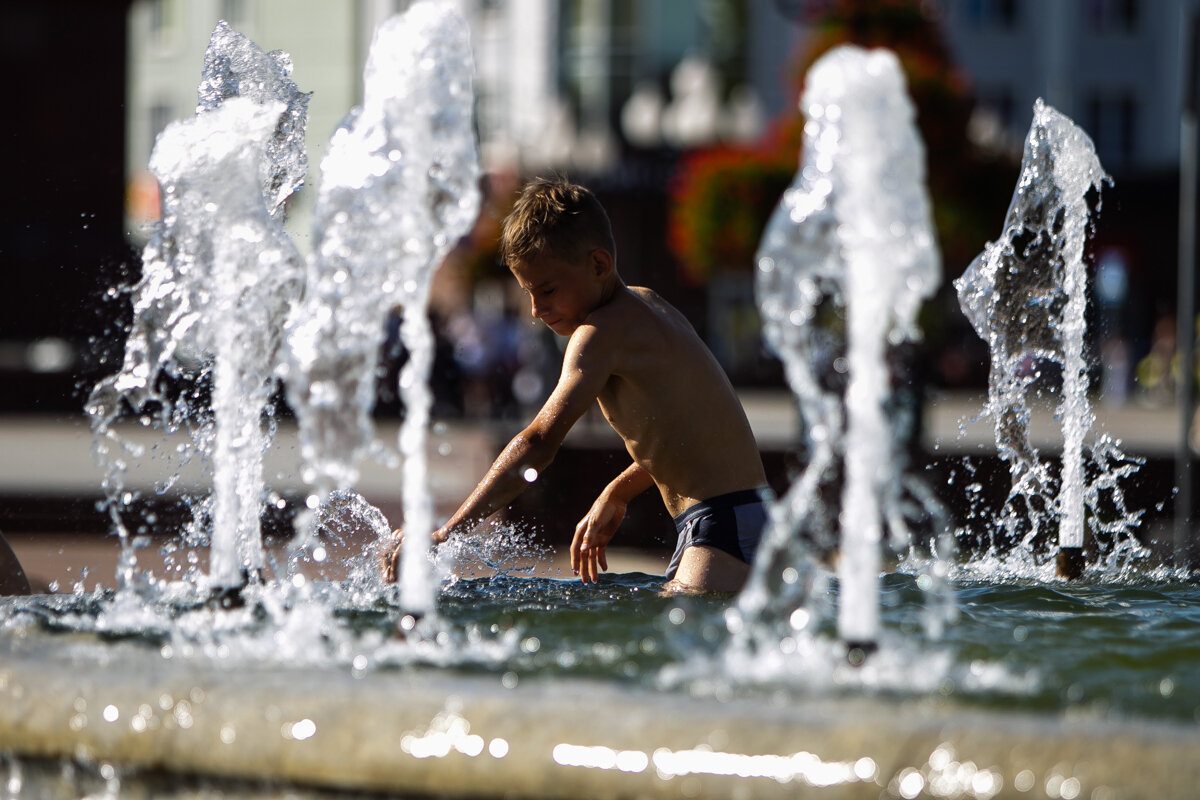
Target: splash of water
(1025,295)
(399,186)
(218,276)
(234,66)
(853,233)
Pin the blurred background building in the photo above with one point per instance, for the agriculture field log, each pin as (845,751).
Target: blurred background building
(560,85)
(680,114)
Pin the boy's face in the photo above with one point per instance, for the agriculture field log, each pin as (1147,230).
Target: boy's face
(561,292)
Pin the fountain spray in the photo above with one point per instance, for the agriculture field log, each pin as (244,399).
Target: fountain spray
(399,187)
(854,228)
(218,275)
(1025,295)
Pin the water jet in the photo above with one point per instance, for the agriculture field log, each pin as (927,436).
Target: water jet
(1025,295)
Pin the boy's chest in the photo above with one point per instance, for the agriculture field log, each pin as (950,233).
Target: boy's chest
(626,409)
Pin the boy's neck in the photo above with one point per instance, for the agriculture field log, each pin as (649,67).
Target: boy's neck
(610,290)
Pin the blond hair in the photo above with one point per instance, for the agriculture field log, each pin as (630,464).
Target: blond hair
(555,217)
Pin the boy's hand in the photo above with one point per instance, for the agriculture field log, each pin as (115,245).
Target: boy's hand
(592,535)
(391,556)
(391,553)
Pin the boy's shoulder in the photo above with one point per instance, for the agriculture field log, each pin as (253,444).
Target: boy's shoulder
(638,311)
(659,307)
(632,304)
(650,300)
(649,295)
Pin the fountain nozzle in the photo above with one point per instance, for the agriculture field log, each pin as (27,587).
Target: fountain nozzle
(230,597)
(857,652)
(1070,562)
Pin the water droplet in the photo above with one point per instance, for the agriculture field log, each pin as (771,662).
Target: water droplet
(911,783)
(1023,781)
(304,729)
(799,619)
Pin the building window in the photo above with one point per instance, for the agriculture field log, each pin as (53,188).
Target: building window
(161,116)
(234,12)
(162,19)
(991,14)
(1111,121)
(597,60)
(726,38)
(1110,16)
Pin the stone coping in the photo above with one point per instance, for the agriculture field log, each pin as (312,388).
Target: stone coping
(433,732)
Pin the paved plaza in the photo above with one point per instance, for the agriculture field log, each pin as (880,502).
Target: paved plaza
(51,460)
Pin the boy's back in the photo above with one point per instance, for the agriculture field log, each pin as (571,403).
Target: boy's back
(672,404)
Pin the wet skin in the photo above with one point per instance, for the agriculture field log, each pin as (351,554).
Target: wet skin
(661,390)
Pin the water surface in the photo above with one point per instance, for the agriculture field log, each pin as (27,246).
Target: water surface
(1121,648)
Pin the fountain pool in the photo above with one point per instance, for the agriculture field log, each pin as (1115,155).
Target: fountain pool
(984,681)
(543,688)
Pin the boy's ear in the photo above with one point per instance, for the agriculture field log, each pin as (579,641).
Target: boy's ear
(601,262)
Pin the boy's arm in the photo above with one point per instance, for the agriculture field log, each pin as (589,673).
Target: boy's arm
(587,365)
(596,529)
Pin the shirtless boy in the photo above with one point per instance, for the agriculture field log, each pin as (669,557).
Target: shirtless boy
(658,386)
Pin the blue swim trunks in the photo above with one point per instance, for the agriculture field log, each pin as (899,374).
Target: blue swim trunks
(732,523)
